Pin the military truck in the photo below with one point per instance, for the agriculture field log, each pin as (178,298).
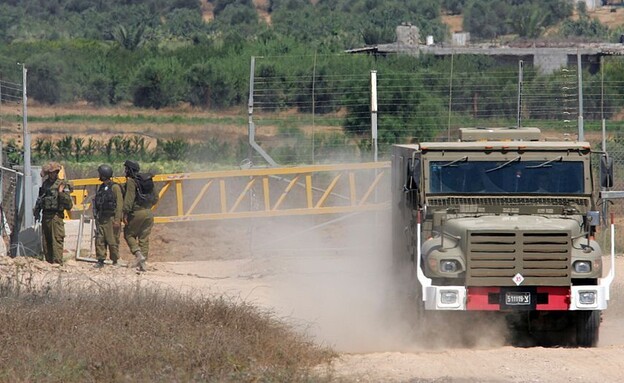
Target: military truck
(503,221)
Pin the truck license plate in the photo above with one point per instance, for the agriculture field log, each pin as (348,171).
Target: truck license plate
(517,299)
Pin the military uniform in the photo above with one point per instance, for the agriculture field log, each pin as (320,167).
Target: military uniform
(108,224)
(51,205)
(139,221)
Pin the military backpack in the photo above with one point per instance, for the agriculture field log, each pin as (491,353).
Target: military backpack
(145,193)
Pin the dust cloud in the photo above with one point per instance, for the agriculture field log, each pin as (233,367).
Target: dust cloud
(336,279)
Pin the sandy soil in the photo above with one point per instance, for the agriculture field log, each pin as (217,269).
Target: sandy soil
(609,16)
(333,280)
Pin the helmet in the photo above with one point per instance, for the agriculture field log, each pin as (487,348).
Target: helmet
(45,169)
(105,171)
(54,167)
(132,165)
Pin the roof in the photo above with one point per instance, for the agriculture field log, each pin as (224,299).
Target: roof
(498,50)
(501,145)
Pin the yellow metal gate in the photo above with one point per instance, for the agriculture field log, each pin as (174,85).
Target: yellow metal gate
(267,192)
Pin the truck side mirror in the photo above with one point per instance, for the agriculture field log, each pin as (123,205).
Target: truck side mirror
(413,173)
(606,171)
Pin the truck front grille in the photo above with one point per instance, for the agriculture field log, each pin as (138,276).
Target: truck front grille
(541,257)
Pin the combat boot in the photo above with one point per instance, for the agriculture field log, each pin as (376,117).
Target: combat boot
(141,266)
(138,258)
(99,264)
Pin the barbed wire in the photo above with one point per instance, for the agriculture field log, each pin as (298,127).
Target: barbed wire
(336,103)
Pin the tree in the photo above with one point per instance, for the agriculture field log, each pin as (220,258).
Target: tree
(208,87)
(221,5)
(130,38)
(46,78)
(98,90)
(480,19)
(454,7)
(184,23)
(530,21)
(158,83)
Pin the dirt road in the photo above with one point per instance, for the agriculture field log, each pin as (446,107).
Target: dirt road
(336,283)
(375,344)
(337,286)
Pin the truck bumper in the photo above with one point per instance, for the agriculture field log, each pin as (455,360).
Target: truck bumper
(543,298)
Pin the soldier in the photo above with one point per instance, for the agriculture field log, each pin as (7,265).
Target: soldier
(107,208)
(50,207)
(138,217)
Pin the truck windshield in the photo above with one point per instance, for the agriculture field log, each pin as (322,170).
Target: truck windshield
(505,177)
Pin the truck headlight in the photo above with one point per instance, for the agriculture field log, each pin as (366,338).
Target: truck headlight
(449,266)
(582,266)
(448,297)
(587,297)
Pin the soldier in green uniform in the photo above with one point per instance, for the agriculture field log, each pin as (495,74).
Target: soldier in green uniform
(107,208)
(138,217)
(50,207)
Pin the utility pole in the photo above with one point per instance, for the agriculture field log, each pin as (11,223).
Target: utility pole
(28,182)
(373,107)
(520,86)
(579,68)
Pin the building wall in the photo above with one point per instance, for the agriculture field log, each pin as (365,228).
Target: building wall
(548,63)
(408,35)
(591,4)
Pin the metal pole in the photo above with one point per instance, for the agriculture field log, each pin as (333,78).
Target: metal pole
(253,145)
(579,69)
(313,104)
(28,182)
(450,103)
(520,84)
(605,206)
(604,124)
(250,125)
(374,112)
(1,148)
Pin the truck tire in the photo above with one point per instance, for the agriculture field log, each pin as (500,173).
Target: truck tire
(587,328)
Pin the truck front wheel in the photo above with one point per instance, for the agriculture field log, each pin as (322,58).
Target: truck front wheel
(587,328)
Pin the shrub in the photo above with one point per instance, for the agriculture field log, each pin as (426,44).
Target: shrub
(158,83)
(46,78)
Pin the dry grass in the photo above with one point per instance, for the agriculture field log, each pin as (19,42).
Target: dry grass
(55,332)
(83,120)
(262,7)
(608,18)
(454,22)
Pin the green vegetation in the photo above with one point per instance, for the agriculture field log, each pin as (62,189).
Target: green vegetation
(494,18)
(134,119)
(118,148)
(58,330)
(157,54)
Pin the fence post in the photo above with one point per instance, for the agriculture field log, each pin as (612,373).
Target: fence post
(28,182)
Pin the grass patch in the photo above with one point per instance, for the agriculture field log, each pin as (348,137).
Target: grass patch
(60,333)
(134,119)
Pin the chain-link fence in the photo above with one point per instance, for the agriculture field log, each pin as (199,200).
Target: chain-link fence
(11,97)
(9,183)
(330,121)
(11,152)
(325,115)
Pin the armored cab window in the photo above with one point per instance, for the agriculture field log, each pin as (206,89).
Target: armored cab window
(506,177)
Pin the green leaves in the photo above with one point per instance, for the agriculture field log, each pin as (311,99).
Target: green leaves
(492,18)
(158,83)
(130,38)
(46,78)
